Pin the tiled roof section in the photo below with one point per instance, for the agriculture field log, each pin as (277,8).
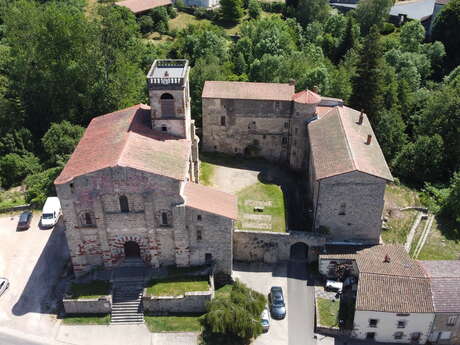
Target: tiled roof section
(138,6)
(393,294)
(247,90)
(338,145)
(210,200)
(123,138)
(372,260)
(306,97)
(445,284)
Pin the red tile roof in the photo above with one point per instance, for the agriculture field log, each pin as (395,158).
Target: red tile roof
(247,90)
(138,6)
(123,138)
(338,145)
(306,97)
(210,200)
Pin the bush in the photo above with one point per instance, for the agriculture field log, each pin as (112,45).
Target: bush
(202,13)
(14,168)
(172,13)
(273,7)
(146,24)
(41,185)
(254,9)
(387,28)
(180,4)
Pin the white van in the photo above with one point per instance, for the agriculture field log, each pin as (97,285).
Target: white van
(51,212)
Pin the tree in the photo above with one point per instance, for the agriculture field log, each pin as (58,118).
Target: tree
(368,85)
(371,13)
(60,141)
(390,131)
(451,205)
(349,39)
(14,168)
(40,185)
(231,10)
(254,9)
(445,27)
(234,319)
(412,35)
(309,11)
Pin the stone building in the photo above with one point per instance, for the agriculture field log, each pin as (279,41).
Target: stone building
(130,187)
(332,145)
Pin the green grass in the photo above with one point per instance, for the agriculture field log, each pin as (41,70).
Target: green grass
(94,289)
(438,247)
(399,227)
(176,286)
(223,291)
(173,323)
(96,319)
(206,173)
(183,20)
(263,192)
(11,198)
(328,312)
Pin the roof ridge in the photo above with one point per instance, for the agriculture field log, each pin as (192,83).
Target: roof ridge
(349,149)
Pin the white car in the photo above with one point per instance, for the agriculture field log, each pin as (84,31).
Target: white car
(332,285)
(265,319)
(51,212)
(4,283)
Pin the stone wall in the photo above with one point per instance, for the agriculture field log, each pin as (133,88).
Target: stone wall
(102,305)
(272,247)
(190,302)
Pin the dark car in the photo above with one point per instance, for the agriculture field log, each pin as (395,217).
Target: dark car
(277,305)
(24,220)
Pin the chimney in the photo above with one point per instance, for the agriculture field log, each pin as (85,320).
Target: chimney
(315,89)
(361,118)
(292,82)
(387,258)
(369,139)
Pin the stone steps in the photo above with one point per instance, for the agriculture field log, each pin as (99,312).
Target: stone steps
(127,303)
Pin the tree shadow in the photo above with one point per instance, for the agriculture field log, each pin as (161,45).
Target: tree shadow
(44,287)
(448,228)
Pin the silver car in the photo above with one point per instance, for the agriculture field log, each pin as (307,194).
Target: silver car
(265,319)
(4,283)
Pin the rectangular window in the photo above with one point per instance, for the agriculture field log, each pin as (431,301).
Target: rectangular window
(71,188)
(198,217)
(452,320)
(284,141)
(277,106)
(370,335)
(222,120)
(295,130)
(373,323)
(398,335)
(286,125)
(208,258)
(164,218)
(402,314)
(401,324)
(342,210)
(199,235)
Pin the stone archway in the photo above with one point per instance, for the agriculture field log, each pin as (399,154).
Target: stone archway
(299,251)
(132,249)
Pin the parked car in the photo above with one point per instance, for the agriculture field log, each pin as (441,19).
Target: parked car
(4,283)
(51,212)
(24,220)
(265,319)
(277,305)
(332,285)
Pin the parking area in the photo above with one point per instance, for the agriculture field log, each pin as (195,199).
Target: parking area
(32,261)
(261,277)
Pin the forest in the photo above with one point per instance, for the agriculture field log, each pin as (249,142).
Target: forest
(61,66)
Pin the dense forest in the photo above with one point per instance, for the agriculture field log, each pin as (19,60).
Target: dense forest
(60,67)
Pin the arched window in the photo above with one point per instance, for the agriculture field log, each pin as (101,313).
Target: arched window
(124,206)
(167,105)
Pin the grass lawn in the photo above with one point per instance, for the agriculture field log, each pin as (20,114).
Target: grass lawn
(183,20)
(262,192)
(173,323)
(96,319)
(328,312)
(224,291)
(206,173)
(94,289)
(399,227)
(176,286)
(11,198)
(438,247)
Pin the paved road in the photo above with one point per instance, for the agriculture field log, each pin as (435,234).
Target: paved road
(300,305)
(10,340)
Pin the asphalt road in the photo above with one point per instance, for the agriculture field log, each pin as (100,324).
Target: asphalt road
(300,305)
(10,340)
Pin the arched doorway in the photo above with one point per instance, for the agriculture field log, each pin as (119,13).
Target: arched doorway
(299,251)
(132,249)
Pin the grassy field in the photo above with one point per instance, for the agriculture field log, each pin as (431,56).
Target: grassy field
(206,173)
(87,319)
(439,247)
(95,289)
(176,286)
(173,323)
(328,312)
(262,192)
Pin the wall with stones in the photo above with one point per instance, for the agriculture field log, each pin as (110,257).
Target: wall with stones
(88,306)
(350,206)
(440,325)
(272,247)
(190,302)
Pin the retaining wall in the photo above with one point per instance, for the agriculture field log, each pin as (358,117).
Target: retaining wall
(102,305)
(190,302)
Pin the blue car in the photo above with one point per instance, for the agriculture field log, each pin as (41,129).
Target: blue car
(277,305)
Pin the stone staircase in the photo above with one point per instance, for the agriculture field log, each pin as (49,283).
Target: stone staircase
(128,289)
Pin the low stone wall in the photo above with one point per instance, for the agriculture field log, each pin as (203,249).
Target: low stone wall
(191,302)
(102,305)
(272,247)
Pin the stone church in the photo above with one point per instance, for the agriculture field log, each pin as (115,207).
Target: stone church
(130,187)
(331,145)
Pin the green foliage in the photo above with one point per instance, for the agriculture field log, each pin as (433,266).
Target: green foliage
(309,11)
(14,168)
(235,318)
(371,13)
(412,35)
(390,130)
(231,10)
(451,206)
(40,185)
(254,9)
(60,141)
(178,323)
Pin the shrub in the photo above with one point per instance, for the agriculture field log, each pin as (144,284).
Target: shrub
(40,185)
(387,28)
(273,7)
(180,4)
(172,13)
(254,9)
(14,168)
(146,24)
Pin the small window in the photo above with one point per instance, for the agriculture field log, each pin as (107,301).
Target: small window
(373,323)
(401,324)
(164,128)
(284,141)
(164,218)
(198,218)
(277,105)
(71,188)
(215,147)
(398,335)
(343,208)
(452,320)
(296,130)
(124,206)
(286,125)
(236,150)
(88,220)
(199,235)
(370,335)
(222,120)
(208,258)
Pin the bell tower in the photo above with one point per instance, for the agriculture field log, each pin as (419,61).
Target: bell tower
(169,96)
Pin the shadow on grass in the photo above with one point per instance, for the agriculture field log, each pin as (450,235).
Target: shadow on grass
(448,228)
